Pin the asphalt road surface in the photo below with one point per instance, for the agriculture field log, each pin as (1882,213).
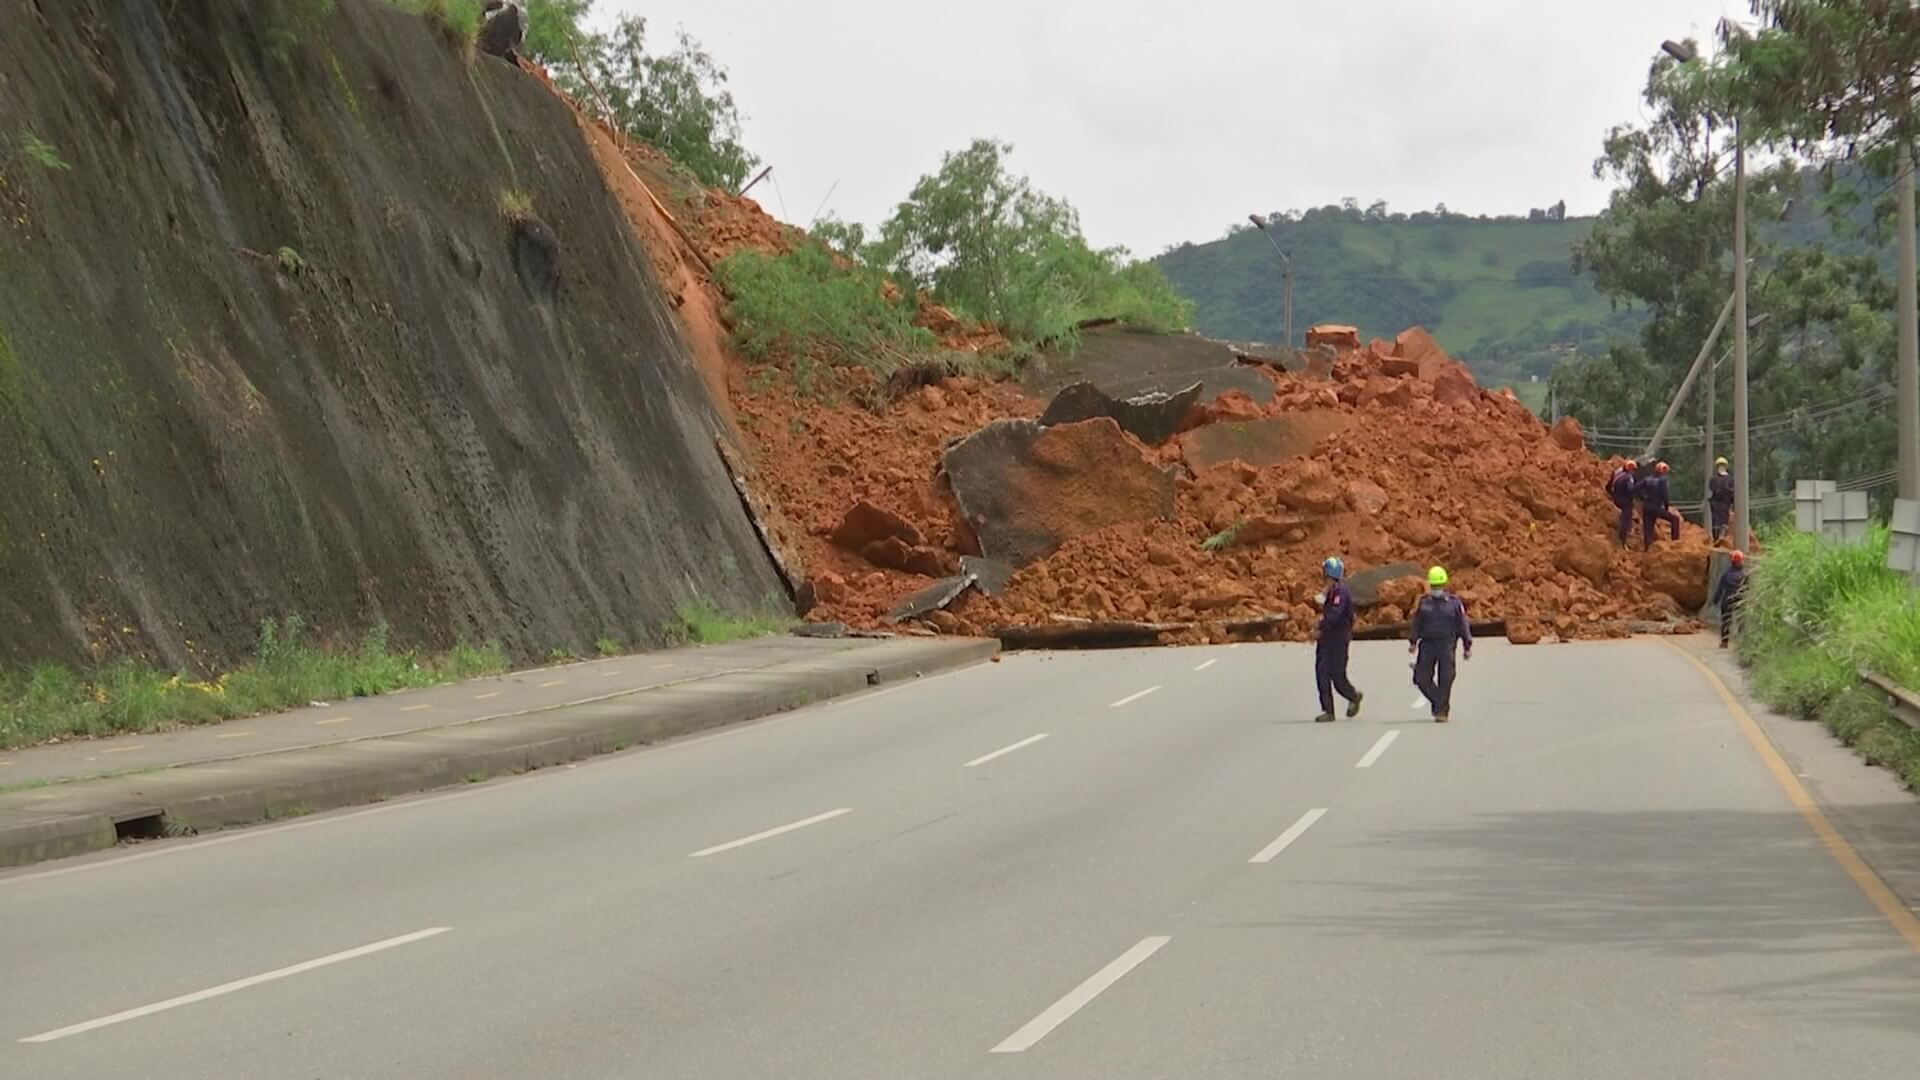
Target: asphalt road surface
(1114,865)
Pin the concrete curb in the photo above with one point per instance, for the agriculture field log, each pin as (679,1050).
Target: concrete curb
(73,818)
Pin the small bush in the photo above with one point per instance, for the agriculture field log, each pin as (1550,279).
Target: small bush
(42,153)
(515,205)
(607,646)
(456,21)
(699,622)
(806,305)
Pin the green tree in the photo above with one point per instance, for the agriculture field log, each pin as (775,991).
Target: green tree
(1664,245)
(677,101)
(984,241)
(553,31)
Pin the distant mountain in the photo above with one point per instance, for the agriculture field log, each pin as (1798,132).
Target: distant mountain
(1498,293)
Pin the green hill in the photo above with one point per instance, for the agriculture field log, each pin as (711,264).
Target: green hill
(1498,293)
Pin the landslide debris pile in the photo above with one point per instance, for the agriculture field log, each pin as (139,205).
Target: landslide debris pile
(1394,460)
(1184,514)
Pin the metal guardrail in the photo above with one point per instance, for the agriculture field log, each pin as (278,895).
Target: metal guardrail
(1905,703)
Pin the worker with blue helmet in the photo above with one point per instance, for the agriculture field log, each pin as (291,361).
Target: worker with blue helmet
(1333,642)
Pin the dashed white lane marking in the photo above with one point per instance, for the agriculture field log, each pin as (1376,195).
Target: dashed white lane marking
(1060,1011)
(234,735)
(487,696)
(610,673)
(123,749)
(4,764)
(1379,748)
(237,984)
(415,708)
(1208,664)
(1235,645)
(770,833)
(1005,750)
(1286,839)
(1131,698)
(552,682)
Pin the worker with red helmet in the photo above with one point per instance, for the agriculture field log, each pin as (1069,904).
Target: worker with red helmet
(1727,594)
(1656,504)
(1621,488)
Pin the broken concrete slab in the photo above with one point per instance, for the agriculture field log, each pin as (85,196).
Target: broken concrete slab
(1027,489)
(1260,443)
(1153,418)
(990,576)
(932,598)
(1125,362)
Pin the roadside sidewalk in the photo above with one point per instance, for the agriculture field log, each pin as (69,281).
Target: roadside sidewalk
(1869,806)
(69,798)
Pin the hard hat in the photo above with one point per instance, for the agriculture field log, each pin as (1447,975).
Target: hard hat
(1437,577)
(1738,557)
(1631,465)
(1719,463)
(1660,467)
(1334,568)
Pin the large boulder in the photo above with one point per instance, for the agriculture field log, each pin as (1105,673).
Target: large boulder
(1366,497)
(867,524)
(1679,572)
(1334,336)
(1526,491)
(1309,486)
(1366,584)
(1453,384)
(1567,434)
(1590,557)
(1027,489)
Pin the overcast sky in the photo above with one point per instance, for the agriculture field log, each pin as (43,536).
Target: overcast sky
(1168,121)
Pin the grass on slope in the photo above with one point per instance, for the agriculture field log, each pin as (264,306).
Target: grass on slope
(51,702)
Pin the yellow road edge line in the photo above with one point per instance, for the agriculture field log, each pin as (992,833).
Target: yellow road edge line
(1904,921)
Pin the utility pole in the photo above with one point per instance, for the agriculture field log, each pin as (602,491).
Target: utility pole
(1742,476)
(1706,489)
(1286,277)
(1907,379)
(1686,384)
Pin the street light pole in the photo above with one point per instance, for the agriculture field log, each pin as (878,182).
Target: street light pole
(1286,277)
(1741,473)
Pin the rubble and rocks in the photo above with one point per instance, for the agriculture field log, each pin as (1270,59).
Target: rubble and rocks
(1366,585)
(1153,418)
(1333,336)
(1568,435)
(1679,571)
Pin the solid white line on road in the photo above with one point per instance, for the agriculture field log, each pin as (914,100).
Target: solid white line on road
(1286,839)
(1005,750)
(1131,698)
(238,984)
(1208,664)
(757,837)
(1060,1011)
(1379,748)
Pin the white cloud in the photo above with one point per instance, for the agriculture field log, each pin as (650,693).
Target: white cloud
(1166,122)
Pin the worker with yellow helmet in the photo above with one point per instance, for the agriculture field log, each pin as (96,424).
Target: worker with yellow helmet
(1720,498)
(1439,625)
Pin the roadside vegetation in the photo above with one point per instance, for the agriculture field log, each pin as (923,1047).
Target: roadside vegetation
(51,702)
(700,622)
(1818,613)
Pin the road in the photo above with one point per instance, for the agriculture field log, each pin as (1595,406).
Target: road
(1593,872)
